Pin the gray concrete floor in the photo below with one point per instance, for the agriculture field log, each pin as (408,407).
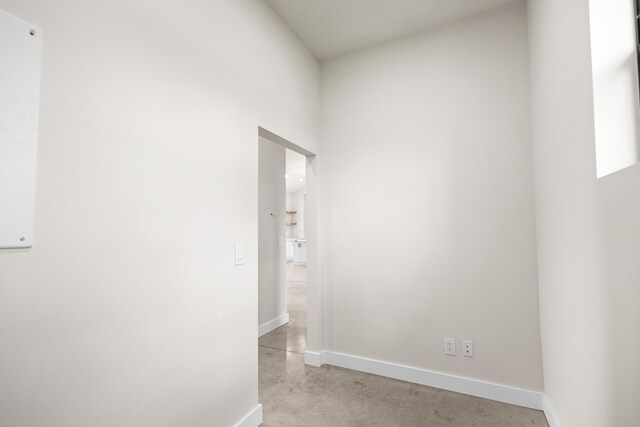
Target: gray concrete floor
(293,394)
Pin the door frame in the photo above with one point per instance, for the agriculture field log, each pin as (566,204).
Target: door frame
(314,288)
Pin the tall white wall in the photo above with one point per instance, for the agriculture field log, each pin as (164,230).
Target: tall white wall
(128,310)
(427,215)
(272,302)
(588,229)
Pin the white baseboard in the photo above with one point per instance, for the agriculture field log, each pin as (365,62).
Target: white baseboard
(472,387)
(550,413)
(252,419)
(265,328)
(314,359)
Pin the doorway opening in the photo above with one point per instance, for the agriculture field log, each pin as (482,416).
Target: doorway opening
(288,289)
(282,280)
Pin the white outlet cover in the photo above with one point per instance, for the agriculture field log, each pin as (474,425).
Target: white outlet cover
(467,348)
(450,346)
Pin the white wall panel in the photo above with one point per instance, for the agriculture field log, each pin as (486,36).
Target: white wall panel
(20,53)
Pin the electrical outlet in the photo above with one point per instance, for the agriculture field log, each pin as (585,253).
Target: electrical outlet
(467,348)
(450,346)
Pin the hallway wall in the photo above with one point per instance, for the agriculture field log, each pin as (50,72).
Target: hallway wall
(128,310)
(427,212)
(272,301)
(588,228)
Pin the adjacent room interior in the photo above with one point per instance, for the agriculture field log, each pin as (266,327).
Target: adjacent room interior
(282,253)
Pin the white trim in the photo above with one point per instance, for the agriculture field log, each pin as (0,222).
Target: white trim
(312,358)
(269,326)
(550,412)
(472,387)
(252,419)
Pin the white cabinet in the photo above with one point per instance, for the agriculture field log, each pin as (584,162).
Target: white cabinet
(290,245)
(300,251)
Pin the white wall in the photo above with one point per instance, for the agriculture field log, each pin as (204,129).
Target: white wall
(427,216)
(128,311)
(272,302)
(588,230)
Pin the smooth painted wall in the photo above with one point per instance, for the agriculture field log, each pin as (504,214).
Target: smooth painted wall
(427,217)
(588,230)
(272,298)
(128,310)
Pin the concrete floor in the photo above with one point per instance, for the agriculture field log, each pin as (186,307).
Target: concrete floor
(293,394)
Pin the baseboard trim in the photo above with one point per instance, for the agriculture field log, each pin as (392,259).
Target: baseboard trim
(252,419)
(472,387)
(312,358)
(550,412)
(265,328)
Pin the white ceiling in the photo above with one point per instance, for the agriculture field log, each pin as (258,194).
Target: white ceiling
(296,170)
(333,27)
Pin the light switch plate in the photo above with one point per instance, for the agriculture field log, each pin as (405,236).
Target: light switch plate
(240,254)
